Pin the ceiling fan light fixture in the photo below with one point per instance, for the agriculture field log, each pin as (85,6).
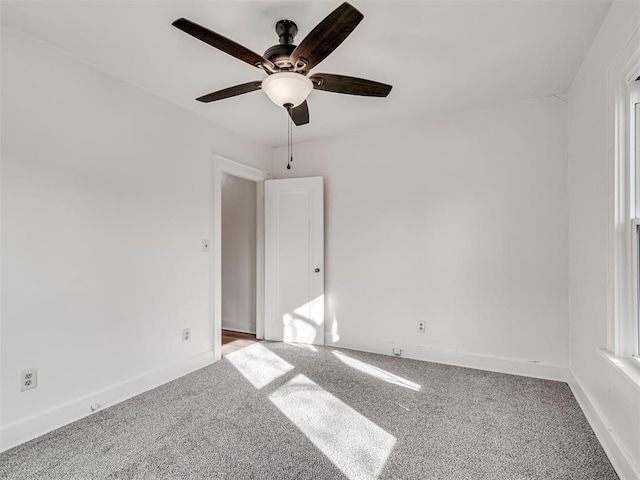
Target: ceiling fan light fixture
(287,88)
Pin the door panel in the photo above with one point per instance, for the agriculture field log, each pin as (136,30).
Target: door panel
(294,250)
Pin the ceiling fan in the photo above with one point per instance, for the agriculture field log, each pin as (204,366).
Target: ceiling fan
(288,65)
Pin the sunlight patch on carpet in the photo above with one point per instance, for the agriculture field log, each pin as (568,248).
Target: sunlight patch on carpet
(303,346)
(354,444)
(376,372)
(259,365)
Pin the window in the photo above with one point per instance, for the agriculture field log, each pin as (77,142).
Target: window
(634,157)
(624,227)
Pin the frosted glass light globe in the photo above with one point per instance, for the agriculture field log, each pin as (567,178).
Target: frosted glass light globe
(287,87)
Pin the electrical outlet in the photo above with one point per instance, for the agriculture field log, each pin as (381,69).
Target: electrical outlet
(186,335)
(28,379)
(422,326)
(206,245)
(397,352)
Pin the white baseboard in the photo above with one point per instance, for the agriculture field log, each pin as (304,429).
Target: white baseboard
(511,366)
(613,447)
(28,428)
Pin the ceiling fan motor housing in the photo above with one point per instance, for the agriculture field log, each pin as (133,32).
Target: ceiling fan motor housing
(280,54)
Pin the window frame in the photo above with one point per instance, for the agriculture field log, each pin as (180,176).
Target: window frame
(623,283)
(634,197)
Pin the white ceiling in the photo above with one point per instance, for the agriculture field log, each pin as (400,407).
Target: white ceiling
(440,56)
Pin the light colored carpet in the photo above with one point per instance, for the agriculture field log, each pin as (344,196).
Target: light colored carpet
(278,411)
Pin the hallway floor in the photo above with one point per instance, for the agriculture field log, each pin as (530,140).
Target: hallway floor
(234,341)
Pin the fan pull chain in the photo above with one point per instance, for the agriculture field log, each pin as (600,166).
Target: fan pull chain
(289,154)
(290,141)
(289,138)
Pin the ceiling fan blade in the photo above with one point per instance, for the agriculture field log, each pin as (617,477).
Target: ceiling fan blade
(300,114)
(349,85)
(325,37)
(230,92)
(222,43)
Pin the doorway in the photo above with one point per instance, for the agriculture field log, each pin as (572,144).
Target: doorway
(238,275)
(239,246)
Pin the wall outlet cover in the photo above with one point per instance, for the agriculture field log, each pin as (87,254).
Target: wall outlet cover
(28,379)
(422,326)
(186,335)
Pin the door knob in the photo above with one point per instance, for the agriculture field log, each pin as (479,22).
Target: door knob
(317,270)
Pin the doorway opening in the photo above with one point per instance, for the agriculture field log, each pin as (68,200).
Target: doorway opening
(239,247)
(237,262)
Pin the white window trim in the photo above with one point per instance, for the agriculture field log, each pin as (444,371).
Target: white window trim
(622,278)
(632,329)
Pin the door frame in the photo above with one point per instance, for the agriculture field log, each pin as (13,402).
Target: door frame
(224,165)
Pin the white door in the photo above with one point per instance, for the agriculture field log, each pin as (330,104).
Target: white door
(294,260)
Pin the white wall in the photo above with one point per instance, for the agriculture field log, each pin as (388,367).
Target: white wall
(106,196)
(616,401)
(238,254)
(460,221)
